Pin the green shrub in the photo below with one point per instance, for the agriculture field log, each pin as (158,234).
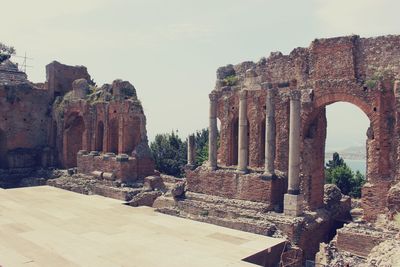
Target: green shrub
(337,172)
(231,80)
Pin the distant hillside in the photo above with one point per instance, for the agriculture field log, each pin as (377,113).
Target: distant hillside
(354,153)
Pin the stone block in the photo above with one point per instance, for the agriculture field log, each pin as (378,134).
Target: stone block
(293,205)
(108,155)
(109,176)
(154,182)
(122,158)
(83,152)
(94,153)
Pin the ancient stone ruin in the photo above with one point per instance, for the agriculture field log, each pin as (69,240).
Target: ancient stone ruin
(267,131)
(70,123)
(267,175)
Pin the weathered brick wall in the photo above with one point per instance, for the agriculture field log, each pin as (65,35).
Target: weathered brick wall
(374,199)
(38,130)
(360,241)
(24,121)
(229,184)
(105,119)
(9,76)
(124,170)
(59,77)
(330,70)
(146,166)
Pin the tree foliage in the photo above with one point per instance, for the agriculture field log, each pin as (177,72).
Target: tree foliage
(335,162)
(201,141)
(6,52)
(169,153)
(337,172)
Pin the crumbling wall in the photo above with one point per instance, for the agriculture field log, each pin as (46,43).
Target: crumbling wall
(111,119)
(357,70)
(59,77)
(121,167)
(225,183)
(48,126)
(25,114)
(9,73)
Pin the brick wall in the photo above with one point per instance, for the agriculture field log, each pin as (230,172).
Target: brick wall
(230,184)
(329,71)
(125,170)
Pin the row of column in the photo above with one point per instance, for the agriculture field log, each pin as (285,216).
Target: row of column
(270,133)
(243,130)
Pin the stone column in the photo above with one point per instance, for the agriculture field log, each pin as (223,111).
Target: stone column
(270,133)
(191,151)
(212,133)
(243,130)
(293,199)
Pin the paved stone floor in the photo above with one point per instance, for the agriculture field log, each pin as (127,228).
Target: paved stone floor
(46,226)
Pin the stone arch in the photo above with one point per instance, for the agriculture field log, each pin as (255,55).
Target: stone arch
(73,139)
(313,147)
(99,136)
(328,99)
(3,149)
(113,136)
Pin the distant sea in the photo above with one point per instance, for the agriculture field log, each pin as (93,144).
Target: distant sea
(354,164)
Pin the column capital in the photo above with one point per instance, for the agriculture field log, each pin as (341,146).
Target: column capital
(295,95)
(243,94)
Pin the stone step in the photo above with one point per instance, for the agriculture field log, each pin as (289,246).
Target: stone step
(87,186)
(189,207)
(235,203)
(239,223)
(197,207)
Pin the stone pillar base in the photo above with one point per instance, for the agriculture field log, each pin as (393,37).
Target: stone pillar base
(268,176)
(293,205)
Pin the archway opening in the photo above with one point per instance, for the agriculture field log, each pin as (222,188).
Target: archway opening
(234,142)
(335,127)
(345,153)
(114,136)
(3,150)
(74,130)
(347,127)
(99,136)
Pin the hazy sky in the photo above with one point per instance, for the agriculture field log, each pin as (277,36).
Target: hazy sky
(170,49)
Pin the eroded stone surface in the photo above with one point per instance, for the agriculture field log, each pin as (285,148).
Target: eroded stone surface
(47,125)
(361,71)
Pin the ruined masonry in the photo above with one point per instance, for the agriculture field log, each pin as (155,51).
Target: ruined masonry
(69,122)
(267,175)
(267,131)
